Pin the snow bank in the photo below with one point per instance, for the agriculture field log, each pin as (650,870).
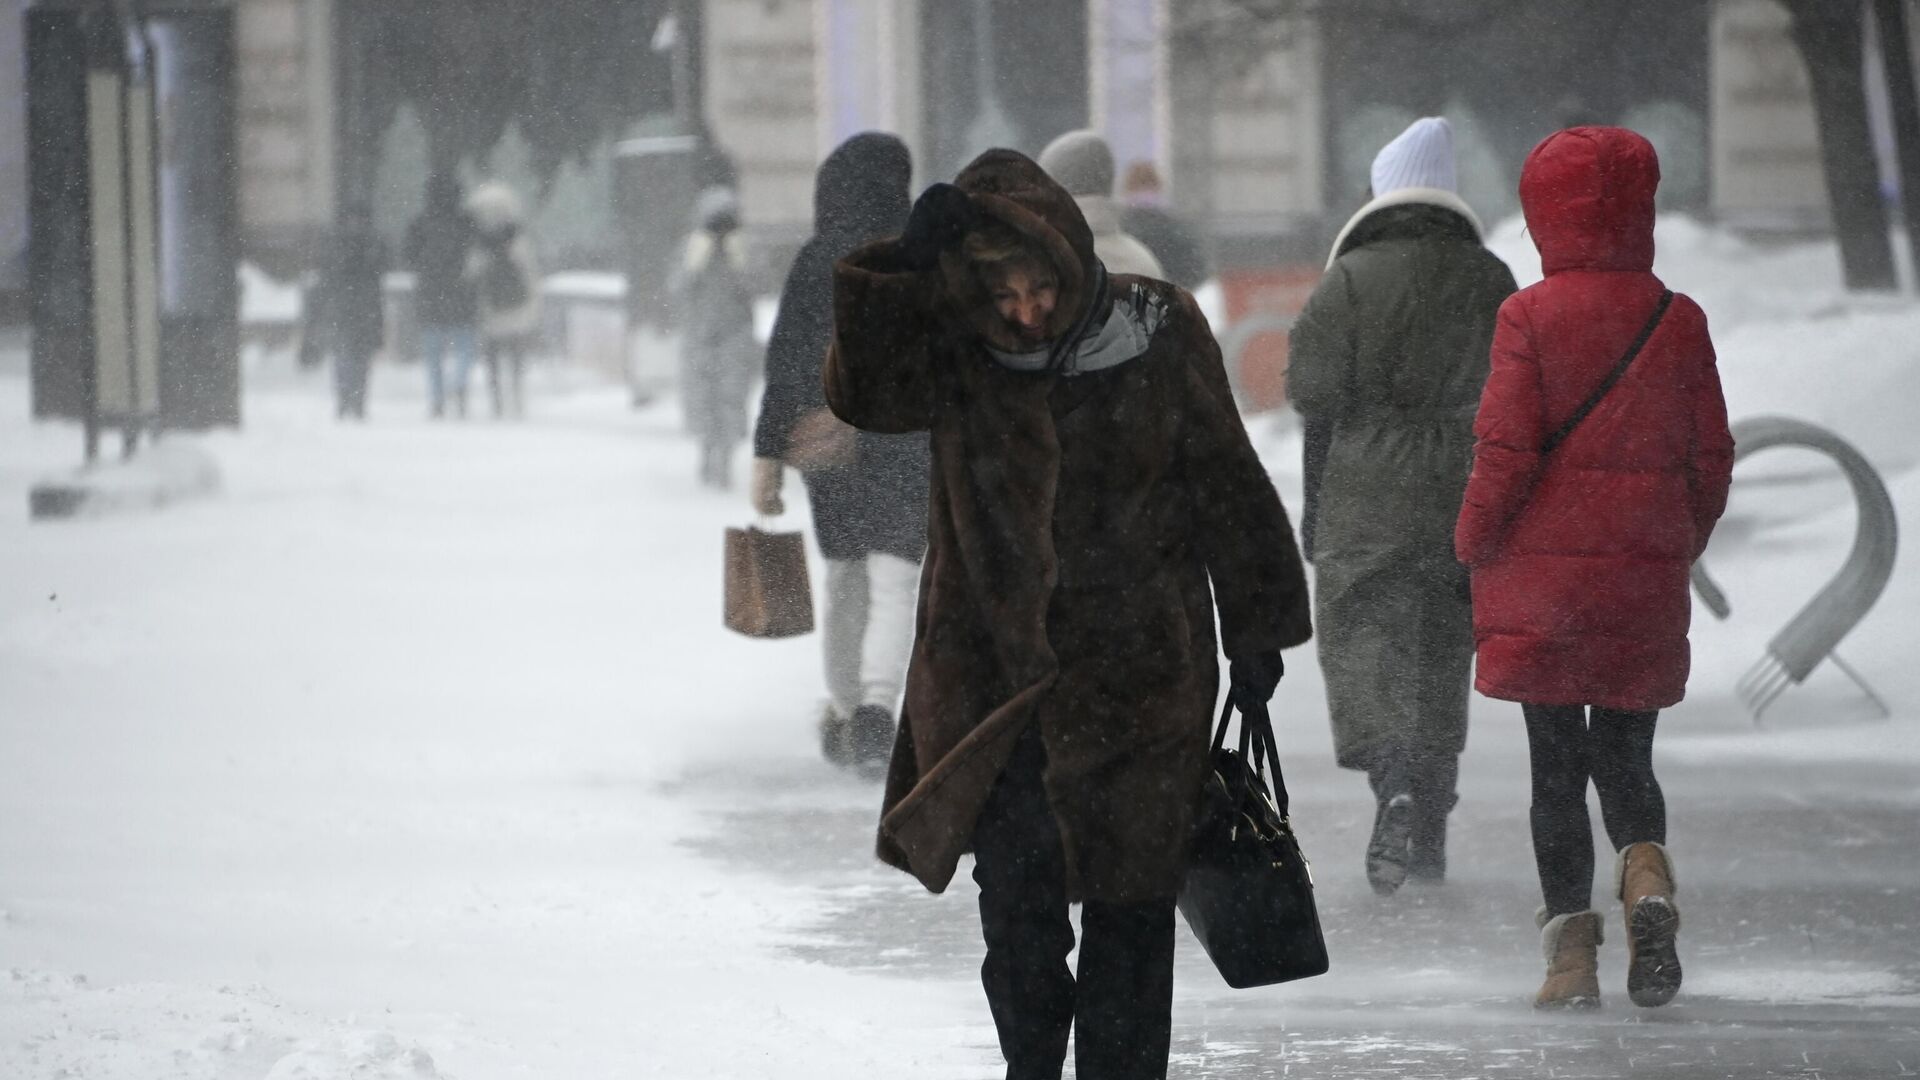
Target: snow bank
(164,473)
(363,1055)
(1791,340)
(64,1026)
(265,299)
(1737,281)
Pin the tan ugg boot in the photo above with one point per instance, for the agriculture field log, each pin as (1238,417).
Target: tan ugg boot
(1643,879)
(1572,945)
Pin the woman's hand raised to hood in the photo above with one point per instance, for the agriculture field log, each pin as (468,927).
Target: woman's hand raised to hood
(941,218)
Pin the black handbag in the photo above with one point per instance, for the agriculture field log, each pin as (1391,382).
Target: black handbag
(1249,892)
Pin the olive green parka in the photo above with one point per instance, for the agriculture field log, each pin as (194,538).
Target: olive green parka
(1387,363)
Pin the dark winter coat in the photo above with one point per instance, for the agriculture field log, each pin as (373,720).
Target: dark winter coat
(1580,558)
(347,308)
(437,246)
(1181,249)
(1076,522)
(1387,360)
(878,503)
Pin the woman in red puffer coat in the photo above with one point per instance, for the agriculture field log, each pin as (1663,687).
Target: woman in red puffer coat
(1580,551)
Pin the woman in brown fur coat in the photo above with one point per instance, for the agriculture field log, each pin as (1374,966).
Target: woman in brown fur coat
(1090,477)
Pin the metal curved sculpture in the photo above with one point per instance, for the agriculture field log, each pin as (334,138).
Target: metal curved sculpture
(1813,633)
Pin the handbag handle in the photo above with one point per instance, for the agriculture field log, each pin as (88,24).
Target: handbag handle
(1258,746)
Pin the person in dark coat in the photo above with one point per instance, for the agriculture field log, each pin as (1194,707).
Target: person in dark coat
(1180,247)
(348,310)
(868,492)
(1386,365)
(506,280)
(444,305)
(1580,555)
(1095,502)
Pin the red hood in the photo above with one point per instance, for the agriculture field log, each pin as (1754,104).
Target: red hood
(1587,193)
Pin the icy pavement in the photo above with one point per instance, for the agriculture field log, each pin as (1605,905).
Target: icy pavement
(1797,886)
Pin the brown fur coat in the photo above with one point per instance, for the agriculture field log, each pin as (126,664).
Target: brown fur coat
(1075,524)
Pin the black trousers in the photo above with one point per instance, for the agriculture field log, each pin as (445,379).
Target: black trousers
(1430,777)
(1122,1003)
(1615,750)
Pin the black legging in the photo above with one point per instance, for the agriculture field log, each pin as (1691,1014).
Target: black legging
(1615,749)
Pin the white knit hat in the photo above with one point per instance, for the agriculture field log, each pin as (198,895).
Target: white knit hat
(1080,161)
(1421,156)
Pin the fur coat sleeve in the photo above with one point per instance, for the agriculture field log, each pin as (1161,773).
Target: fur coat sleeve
(878,378)
(1259,584)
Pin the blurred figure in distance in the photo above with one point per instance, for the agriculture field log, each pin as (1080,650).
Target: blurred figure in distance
(444,305)
(506,279)
(868,491)
(1180,247)
(347,310)
(718,356)
(1082,162)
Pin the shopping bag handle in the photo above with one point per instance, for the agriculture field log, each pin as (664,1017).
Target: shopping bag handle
(1258,746)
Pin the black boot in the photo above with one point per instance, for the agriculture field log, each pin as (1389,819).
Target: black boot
(1390,777)
(870,735)
(1428,862)
(836,737)
(1434,798)
(1389,848)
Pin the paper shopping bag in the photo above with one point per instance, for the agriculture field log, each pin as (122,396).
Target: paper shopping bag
(768,594)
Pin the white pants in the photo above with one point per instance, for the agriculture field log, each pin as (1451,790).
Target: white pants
(868,630)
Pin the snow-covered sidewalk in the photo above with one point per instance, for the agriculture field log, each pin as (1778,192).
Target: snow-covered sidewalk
(359,763)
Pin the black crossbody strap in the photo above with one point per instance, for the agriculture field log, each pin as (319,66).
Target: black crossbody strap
(1659,312)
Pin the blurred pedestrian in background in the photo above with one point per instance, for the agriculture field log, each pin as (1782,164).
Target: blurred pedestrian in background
(1386,365)
(1091,477)
(1602,464)
(506,279)
(1180,247)
(345,311)
(868,491)
(438,244)
(1082,162)
(718,357)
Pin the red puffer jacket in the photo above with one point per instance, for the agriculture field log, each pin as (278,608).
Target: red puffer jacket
(1580,558)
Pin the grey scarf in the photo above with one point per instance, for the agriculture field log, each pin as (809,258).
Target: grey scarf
(1125,334)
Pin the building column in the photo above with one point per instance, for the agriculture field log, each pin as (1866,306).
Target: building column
(866,67)
(1766,169)
(1130,91)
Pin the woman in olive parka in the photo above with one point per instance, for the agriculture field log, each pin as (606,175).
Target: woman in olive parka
(1387,362)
